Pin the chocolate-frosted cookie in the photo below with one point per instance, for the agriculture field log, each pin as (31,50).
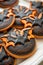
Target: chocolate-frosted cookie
(1,0)
(38,27)
(4,58)
(22,16)
(20,44)
(6,20)
(8,3)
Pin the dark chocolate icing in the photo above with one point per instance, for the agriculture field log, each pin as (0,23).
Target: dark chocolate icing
(21,13)
(38,6)
(4,58)
(8,3)
(5,21)
(38,27)
(22,45)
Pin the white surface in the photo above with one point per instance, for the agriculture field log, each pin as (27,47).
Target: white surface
(38,56)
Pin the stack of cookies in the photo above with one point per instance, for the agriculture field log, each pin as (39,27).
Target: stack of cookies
(19,26)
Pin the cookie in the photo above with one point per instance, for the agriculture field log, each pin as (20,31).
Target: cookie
(38,27)
(20,44)
(6,20)
(23,16)
(4,58)
(1,0)
(8,3)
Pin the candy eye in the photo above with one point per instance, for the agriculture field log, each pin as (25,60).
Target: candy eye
(6,17)
(5,57)
(27,40)
(1,42)
(42,23)
(0,20)
(17,16)
(18,43)
(35,24)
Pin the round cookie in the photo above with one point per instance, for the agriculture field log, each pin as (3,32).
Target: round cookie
(6,20)
(20,44)
(8,3)
(22,16)
(1,0)
(38,27)
(4,58)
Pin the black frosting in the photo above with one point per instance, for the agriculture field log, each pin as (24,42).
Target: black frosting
(25,45)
